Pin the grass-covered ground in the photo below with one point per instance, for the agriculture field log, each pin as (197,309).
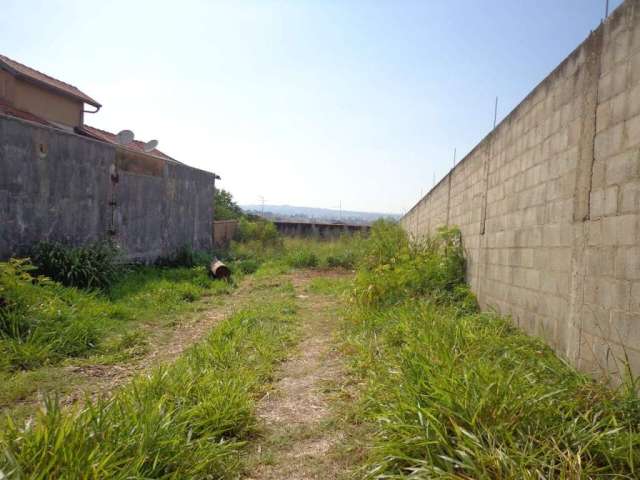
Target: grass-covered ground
(454,393)
(45,326)
(434,388)
(189,419)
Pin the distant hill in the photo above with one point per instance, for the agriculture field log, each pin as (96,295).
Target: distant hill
(288,212)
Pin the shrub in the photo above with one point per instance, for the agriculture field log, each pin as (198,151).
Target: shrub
(393,269)
(262,231)
(302,258)
(94,266)
(385,243)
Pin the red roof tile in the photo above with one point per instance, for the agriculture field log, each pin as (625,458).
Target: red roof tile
(112,138)
(23,71)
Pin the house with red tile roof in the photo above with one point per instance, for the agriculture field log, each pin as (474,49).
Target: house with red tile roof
(31,95)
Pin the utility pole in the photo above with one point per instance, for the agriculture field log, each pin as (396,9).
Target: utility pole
(262,200)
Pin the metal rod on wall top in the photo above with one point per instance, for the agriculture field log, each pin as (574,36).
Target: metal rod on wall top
(606,9)
(495,113)
(454,157)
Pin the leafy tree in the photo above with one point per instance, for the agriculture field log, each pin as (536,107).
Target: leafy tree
(225,207)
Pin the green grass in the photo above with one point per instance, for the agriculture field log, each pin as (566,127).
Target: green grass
(453,393)
(44,323)
(187,420)
(71,326)
(287,253)
(468,396)
(334,286)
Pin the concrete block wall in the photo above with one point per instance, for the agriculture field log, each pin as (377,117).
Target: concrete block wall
(549,204)
(64,187)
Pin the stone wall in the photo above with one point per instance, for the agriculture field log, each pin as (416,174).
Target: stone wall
(549,204)
(64,187)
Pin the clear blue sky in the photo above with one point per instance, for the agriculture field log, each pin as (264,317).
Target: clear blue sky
(304,102)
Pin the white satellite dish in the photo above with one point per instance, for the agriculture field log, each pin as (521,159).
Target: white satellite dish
(150,145)
(125,137)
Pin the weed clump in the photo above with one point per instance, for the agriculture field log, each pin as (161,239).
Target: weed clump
(393,269)
(95,266)
(260,231)
(302,258)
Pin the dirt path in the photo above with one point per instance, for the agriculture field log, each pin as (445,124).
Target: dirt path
(298,428)
(97,380)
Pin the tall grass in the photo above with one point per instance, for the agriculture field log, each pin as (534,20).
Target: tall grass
(95,266)
(43,322)
(187,420)
(263,249)
(453,393)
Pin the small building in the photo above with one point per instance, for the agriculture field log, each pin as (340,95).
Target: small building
(34,96)
(63,180)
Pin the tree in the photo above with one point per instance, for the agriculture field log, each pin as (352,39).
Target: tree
(224,207)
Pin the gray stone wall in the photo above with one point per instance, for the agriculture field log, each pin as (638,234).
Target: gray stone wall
(290,228)
(65,187)
(549,204)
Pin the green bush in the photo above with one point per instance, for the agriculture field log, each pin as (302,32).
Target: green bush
(394,269)
(94,266)
(302,258)
(262,231)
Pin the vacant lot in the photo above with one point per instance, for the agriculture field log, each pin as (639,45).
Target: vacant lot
(353,359)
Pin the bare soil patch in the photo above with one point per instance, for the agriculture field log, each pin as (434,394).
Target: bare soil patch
(100,380)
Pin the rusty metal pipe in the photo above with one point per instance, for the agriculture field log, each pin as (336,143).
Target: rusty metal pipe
(219,270)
